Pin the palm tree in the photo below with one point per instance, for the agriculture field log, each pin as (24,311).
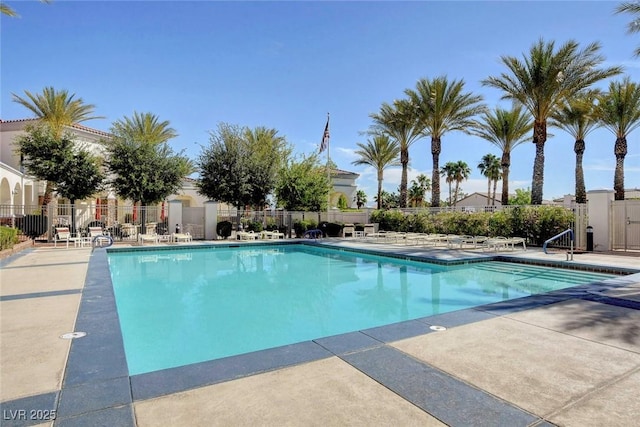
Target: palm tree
(419,187)
(6,10)
(442,107)
(634,26)
(400,122)
(360,198)
(542,82)
(455,172)
(380,153)
(462,171)
(144,128)
(506,129)
(619,111)
(576,117)
(490,167)
(56,109)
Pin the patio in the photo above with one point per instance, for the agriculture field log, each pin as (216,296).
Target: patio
(572,359)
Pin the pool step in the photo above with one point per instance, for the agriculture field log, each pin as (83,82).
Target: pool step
(524,271)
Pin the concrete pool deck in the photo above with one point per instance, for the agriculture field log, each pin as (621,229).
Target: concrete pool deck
(569,359)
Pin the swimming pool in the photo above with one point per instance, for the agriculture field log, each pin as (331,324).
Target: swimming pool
(183,306)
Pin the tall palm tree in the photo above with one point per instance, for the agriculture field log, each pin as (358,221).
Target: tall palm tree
(442,106)
(56,108)
(490,167)
(619,111)
(577,117)
(144,128)
(380,153)
(400,122)
(506,129)
(542,81)
(634,26)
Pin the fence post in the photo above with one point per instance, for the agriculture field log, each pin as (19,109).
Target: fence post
(175,214)
(210,220)
(599,208)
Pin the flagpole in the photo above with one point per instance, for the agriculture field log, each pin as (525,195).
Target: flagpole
(328,173)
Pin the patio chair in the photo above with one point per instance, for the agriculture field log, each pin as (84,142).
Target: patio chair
(246,235)
(181,237)
(349,229)
(64,234)
(153,238)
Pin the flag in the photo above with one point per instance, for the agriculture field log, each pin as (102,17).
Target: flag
(325,137)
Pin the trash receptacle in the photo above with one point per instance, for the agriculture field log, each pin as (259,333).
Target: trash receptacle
(589,238)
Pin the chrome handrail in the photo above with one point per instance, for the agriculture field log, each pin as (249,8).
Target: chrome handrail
(567,231)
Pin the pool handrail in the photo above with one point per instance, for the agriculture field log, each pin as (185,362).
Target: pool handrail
(557,236)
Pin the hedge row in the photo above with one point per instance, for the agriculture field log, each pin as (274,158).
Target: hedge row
(537,224)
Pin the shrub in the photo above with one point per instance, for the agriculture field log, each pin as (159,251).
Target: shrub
(331,229)
(223,228)
(342,202)
(271,224)
(8,237)
(388,220)
(499,224)
(300,226)
(255,226)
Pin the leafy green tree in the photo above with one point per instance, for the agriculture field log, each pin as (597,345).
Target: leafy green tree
(56,109)
(268,154)
(443,106)
(632,8)
(381,152)
(506,129)
(543,81)
(401,123)
(577,117)
(73,172)
(240,165)
(522,197)
(418,189)
(303,185)
(144,169)
(619,111)
(360,199)
(342,202)
(490,167)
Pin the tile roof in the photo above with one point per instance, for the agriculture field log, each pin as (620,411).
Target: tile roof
(74,126)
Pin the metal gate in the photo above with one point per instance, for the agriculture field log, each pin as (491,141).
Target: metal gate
(193,222)
(625,225)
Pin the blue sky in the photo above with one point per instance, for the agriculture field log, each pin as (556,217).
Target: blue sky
(284,65)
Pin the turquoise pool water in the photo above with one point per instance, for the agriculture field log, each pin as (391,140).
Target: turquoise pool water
(178,307)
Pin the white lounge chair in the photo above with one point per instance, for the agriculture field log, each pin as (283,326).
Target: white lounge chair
(153,238)
(246,235)
(349,229)
(181,237)
(504,243)
(64,234)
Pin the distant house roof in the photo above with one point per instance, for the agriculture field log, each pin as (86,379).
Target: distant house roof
(74,126)
(475,195)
